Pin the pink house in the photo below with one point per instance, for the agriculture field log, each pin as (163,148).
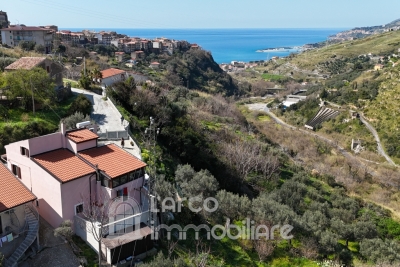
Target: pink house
(69,174)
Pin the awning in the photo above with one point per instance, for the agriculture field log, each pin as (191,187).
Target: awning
(114,241)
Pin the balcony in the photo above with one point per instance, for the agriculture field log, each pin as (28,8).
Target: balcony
(24,237)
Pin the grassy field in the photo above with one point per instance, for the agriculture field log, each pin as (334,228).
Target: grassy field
(74,84)
(385,43)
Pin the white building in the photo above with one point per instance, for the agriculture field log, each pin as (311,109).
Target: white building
(12,35)
(110,76)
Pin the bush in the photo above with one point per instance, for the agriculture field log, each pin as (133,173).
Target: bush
(81,104)
(71,121)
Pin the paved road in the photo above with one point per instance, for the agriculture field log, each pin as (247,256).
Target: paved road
(378,141)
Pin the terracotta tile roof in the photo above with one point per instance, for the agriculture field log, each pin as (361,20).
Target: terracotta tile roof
(13,193)
(111,72)
(119,53)
(113,160)
(63,164)
(82,135)
(25,28)
(155,63)
(25,63)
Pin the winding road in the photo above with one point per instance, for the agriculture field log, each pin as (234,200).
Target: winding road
(378,141)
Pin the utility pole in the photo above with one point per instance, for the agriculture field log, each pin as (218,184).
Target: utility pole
(33,99)
(84,66)
(151,133)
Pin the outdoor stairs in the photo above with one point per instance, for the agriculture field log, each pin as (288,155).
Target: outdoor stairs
(33,228)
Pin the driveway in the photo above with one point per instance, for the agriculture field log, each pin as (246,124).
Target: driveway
(108,118)
(103,112)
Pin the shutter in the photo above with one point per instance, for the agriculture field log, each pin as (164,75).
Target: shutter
(19,172)
(125,191)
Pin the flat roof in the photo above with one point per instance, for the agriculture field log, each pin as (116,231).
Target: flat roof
(63,164)
(118,240)
(112,160)
(13,193)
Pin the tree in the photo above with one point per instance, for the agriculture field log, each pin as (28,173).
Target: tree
(95,215)
(81,104)
(39,48)
(1,259)
(378,250)
(192,183)
(71,121)
(85,81)
(264,248)
(345,231)
(232,206)
(26,45)
(23,83)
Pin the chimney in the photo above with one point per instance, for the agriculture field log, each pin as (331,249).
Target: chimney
(63,133)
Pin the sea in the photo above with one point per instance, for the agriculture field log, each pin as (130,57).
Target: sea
(228,45)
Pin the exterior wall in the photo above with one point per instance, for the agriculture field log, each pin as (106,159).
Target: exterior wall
(138,77)
(72,146)
(87,144)
(76,192)
(48,191)
(110,80)
(82,228)
(45,143)
(6,221)
(13,37)
(14,156)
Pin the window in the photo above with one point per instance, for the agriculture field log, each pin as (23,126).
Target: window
(123,192)
(78,208)
(115,182)
(48,69)
(16,170)
(127,225)
(37,203)
(24,151)
(123,179)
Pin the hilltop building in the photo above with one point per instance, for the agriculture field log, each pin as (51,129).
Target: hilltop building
(42,35)
(3,21)
(54,69)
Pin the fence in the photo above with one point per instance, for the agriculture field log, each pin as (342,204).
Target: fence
(114,135)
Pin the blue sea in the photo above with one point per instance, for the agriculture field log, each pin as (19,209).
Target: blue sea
(236,44)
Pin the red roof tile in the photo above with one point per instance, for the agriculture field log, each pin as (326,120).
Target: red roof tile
(82,135)
(63,164)
(25,28)
(111,72)
(113,160)
(13,193)
(25,63)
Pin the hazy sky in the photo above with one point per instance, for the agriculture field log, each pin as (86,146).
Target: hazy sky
(202,13)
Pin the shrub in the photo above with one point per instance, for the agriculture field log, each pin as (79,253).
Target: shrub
(81,104)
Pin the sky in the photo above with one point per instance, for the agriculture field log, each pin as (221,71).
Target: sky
(202,13)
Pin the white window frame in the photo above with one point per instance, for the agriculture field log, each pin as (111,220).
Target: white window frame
(77,206)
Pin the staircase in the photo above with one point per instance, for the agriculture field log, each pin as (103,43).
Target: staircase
(32,220)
